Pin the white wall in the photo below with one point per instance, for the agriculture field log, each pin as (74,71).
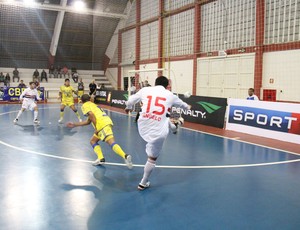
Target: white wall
(229,76)
(284,68)
(149,76)
(181,75)
(112,76)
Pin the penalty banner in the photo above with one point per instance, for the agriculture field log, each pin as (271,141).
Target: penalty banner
(275,120)
(208,111)
(13,93)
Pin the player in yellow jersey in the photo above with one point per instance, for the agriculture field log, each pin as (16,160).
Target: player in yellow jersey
(67,99)
(103,130)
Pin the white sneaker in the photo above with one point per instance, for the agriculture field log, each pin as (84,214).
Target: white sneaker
(16,121)
(36,122)
(99,162)
(142,187)
(60,121)
(128,161)
(79,120)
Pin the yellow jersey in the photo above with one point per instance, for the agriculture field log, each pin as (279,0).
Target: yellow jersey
(67,93)
(102,119)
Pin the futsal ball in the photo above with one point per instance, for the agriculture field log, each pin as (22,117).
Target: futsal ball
(187,94)
(180,121)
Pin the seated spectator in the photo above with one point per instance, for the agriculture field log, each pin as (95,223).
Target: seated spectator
(102,87)
(51,71)
(7,80)
(37,84)
(21,84)
(73,70)
(2,78)
(55,73)
(59,71)
(35,75)
(65,71)
(75,77)
(16,74)
(44,75)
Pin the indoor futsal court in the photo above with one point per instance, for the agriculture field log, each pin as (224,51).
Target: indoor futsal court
(205,104)
(202,181)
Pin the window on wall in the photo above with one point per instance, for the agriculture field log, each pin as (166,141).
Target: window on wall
(128,46)
(179,34)
(227,24)
(149,9)
(282,21)
(149,41)
(132,16)
(172,5)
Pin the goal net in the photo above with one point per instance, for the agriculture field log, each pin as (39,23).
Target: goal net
(141,78)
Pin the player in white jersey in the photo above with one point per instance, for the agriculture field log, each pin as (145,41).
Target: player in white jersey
(153,123)
(27,99)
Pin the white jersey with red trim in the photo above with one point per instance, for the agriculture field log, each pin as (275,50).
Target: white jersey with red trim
(29,95)
(153,123)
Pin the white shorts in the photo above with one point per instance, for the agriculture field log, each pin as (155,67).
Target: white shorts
(153,149)
(28,105)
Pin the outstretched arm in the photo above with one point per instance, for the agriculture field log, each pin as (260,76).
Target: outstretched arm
(82,123)
(132,100)
(180,103)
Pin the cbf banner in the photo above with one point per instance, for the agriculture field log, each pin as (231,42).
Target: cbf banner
(13,93)
(205,110)
(267,119)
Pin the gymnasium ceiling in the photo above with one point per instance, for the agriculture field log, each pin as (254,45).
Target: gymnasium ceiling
(84,38)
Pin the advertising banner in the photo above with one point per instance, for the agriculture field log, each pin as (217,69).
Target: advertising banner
(205,110)
(103,97)
(119,98)
(267,119)
(13,93)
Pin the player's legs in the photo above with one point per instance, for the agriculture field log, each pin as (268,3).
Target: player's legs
(106,135)
(152,150)
(76,112)
(97,149)
(61,115)
(35,114)
(19,114)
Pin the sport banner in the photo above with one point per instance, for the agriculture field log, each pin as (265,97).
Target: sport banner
(267,119)
(103,97)
(205,110)
(13,93)
(119,98)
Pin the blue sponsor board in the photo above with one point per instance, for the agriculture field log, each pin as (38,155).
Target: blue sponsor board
(13,93)
(262,118)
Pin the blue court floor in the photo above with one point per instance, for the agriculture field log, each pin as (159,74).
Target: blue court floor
(201,182)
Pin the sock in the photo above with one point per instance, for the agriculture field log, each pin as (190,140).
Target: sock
(149,166)
(77,114)
(118,150)
(61,115)
(35,115)
(19,114)
(98,151)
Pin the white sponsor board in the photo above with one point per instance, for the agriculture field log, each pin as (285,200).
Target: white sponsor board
(267,119)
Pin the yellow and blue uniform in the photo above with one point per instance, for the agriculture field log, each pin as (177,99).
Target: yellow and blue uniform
(67,98)
(103,122)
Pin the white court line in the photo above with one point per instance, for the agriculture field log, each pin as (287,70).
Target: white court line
(158,166)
